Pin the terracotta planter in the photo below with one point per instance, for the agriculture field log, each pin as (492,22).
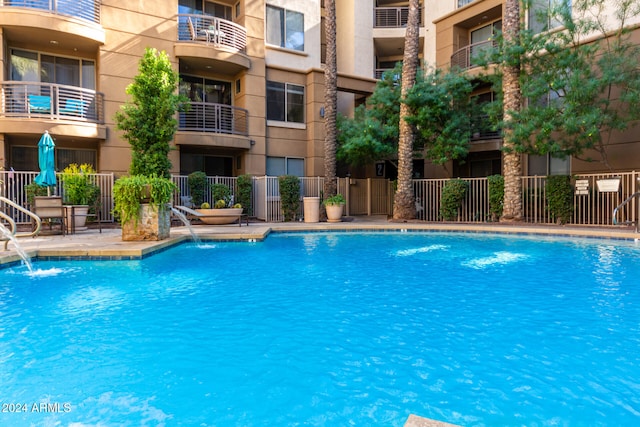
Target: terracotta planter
(334,213)
(226,215)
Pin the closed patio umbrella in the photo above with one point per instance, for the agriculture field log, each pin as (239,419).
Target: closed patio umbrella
(46,161)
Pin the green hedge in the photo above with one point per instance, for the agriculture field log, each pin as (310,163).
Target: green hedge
(560,198)
(453,193)
(289,196)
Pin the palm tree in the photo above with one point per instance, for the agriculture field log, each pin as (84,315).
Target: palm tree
(404,203)
(512,101)
(330,100)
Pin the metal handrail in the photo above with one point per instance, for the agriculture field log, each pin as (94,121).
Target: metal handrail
(10,220)
(615,212)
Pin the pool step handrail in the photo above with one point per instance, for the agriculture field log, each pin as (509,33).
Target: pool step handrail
(14,227)
(615,212)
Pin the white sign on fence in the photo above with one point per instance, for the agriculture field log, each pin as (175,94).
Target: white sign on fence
(582,187)
(610,185)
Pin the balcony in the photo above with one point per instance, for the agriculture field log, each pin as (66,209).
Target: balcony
(206,42)
(392,17)
(468,56)
(213,31)
(481,129)
(48,101)
(215,118)
(84,9)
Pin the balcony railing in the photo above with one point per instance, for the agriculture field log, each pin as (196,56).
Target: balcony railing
(212,30)
(84,9)
(215,118)
(482,129)
(469,56)
(392,17)
(51,101)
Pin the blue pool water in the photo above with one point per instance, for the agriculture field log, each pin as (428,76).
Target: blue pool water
(328,330)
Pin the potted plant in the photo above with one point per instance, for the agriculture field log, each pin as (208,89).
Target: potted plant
(79,192)
(223,212)
(148,122)
(334,206)
(142,204)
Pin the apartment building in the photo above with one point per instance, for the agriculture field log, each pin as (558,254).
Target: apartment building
(251,68)
(462,32)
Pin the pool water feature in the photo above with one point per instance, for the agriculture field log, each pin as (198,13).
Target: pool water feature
(329,329)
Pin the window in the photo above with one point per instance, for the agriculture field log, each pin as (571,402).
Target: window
(547,14)
(200,7)
(40,67)
(199,89)
(277,166)
(26,158)
(285,102)
(548,165)
(285,28)
(481,40)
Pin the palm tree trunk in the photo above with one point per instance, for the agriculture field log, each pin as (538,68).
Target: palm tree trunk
(512,101)
(330,101)
(404,203)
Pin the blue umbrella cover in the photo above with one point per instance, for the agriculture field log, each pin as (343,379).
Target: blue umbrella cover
(46,161)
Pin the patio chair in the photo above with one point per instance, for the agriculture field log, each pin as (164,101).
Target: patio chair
(50,209)
(196,36)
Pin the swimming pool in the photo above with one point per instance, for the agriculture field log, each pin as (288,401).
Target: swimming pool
(328,329)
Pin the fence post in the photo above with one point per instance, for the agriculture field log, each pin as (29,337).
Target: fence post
(368,196)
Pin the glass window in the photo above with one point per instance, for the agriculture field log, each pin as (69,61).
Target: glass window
(480,39)
(285,102)
(546,14)
(40,67)
(275,101)
(285,28)
(24,66)
(548,165)
(199,89)
(64,157)
(277,166)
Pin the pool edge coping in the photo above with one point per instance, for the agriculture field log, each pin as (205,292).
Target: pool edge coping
(96,250)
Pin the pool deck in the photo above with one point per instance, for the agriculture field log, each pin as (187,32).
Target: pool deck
(91,244)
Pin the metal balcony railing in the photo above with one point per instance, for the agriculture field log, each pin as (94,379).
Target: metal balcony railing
(481,129)
(392,17)
(84,9)
(215,118)
(51,101)
(211,30)
(468,56)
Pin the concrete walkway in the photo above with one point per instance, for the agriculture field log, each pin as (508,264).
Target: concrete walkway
(109,245)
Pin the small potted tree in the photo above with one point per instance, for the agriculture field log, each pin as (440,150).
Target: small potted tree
(334,205)
(149,123)
(79,192)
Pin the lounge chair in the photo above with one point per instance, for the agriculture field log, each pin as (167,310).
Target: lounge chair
(226,216)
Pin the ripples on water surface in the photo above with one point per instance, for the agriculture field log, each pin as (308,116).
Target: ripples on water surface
(328,329)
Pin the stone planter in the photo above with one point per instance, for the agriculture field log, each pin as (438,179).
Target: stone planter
(154,224)
(226,215)
(334,213)
(311,209)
